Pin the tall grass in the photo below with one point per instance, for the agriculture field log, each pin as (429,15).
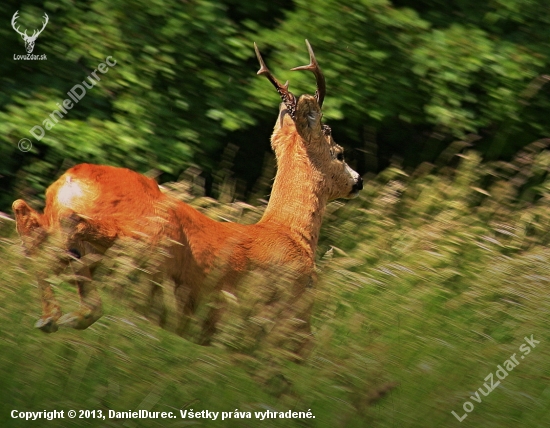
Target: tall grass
(428,281)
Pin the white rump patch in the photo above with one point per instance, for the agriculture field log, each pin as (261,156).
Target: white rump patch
(68,192)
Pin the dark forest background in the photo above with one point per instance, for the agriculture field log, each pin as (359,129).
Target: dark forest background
(404,80)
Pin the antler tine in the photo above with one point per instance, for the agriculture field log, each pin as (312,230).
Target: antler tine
(37,32)
(47,19)
(314,67)
(286,95)
(13,19)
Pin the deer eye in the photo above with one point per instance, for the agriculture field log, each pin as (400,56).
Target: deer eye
(340,156)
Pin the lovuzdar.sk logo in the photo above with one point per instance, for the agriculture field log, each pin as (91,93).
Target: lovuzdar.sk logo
(29,40)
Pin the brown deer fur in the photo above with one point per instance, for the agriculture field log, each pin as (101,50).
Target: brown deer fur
(90,206)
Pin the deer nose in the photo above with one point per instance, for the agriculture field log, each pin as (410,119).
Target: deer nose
(358,185)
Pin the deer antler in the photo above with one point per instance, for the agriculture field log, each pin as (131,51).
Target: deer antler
(288,98)
(314,67)
(17,29)
(43,26)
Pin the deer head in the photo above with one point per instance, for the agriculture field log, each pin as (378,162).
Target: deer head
(299,127)
(29,40)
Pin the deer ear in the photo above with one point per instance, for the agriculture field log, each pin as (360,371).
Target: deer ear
(314,119)
(308,118)
(26,219)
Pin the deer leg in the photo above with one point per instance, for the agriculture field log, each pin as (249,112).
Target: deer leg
(295,324)
(186,299)
(90,302)
(74,228)
(29,224)
(51,311)
(301,339)
(290,317)
(210,326)
(156,307)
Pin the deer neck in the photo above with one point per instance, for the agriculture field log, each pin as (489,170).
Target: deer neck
(297,203)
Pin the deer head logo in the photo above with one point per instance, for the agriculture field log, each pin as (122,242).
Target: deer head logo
(29,40)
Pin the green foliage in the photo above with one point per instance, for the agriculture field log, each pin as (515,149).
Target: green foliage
(388,67)
(157,108)
(428,281)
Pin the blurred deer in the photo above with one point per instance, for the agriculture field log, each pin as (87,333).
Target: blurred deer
(90,206)
(29,40)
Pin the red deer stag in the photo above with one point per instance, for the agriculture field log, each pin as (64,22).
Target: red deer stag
(90,206)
